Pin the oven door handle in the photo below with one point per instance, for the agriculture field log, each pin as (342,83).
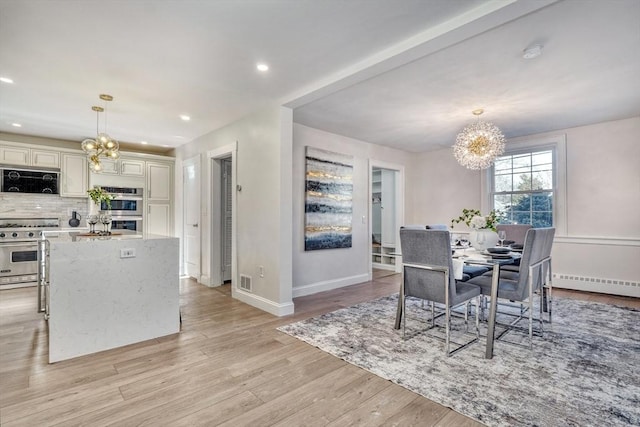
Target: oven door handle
(32,244)
(126,218)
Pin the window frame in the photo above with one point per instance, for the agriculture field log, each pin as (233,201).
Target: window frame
(557,145)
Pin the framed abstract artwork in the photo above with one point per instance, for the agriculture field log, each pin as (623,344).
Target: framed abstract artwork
(328,200)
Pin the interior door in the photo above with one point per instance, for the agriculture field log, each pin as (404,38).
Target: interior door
(226,219)
(191,216)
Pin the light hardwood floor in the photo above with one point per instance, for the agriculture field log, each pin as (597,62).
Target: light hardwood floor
(229,366)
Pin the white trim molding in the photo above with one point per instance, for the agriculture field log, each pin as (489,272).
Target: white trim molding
(328,285)
(609,241)
(262,303)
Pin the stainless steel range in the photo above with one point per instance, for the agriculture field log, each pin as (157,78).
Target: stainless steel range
(19,249)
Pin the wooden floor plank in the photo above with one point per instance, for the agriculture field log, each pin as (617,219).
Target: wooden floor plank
(228,365)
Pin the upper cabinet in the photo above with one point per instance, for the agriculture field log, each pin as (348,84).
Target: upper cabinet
(45,158)
(74,176)
(159,181)
(123,167)
(24,156)
(15,156)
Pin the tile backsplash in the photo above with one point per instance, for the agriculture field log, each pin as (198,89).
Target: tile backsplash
(41,206)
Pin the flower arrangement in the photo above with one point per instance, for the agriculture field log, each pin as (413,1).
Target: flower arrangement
(98,195)
(474,219)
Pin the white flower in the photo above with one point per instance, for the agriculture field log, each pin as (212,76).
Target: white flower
(478,222)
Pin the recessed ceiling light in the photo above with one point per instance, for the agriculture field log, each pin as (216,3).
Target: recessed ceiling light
(6,80)
(178,136)
(143,142)
(262,67)
(17,125)
(185,117)
(532,52)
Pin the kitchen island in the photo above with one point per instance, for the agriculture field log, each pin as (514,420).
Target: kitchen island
(109,291)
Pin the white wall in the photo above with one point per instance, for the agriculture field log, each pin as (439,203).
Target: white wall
(438,188)
(263,165)
(602,247)
(321,270)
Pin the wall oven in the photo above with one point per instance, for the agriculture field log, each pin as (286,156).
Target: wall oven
(19,180)
(126,201)
(129,223)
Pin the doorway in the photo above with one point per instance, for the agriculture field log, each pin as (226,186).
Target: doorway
(191,217)
(227,218)
(223,193)
(387,216)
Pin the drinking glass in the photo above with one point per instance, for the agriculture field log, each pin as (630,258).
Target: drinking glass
(105,219)
(92,220)
(464,242)
(501,236)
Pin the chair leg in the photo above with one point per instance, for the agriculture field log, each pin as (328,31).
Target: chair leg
(530,310)
(549,290)
(404,316)
(433,314)
(466,316)
(477,318)
(447,328)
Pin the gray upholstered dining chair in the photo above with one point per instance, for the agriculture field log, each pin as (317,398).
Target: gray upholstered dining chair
(514,232)
(427,274)
(532,276)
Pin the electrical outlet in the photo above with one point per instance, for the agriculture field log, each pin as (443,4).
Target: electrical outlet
(127,253)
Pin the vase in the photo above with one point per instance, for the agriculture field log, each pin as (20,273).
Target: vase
(483,238)
(94,209)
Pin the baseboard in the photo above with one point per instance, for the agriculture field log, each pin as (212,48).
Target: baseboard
(328,285)
(390,267)
(277,309)
(597,284)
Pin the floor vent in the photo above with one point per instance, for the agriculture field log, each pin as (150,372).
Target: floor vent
(245,282)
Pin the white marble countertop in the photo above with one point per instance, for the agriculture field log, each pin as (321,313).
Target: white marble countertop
(77,236)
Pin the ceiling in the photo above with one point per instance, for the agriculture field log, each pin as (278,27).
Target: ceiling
(402,73)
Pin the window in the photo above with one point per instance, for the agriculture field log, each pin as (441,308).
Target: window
(523,187)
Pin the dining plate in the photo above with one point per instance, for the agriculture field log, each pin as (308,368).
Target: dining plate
(498,250)
(500,256)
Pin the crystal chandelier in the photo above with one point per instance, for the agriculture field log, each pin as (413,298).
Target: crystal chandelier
(103,145)
(479,144)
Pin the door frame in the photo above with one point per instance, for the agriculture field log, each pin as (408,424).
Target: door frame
(399,206)
(195,160)
(215,194)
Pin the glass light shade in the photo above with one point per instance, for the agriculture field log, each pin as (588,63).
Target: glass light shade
(95,167)
(89,145)
(103,138)
(112,154)
(478,145)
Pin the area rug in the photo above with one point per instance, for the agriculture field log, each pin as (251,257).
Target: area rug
(584,371)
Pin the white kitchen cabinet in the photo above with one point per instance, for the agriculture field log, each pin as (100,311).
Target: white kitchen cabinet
(15,156)
(159,178)
(109,167)
(159,219)
(45,158)
(130,167)
(159,195)
(74,175)
(24,156)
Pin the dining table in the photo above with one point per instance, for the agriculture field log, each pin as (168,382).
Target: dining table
(473,256)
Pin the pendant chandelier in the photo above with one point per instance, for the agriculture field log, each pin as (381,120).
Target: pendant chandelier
(479,144)
(103,145)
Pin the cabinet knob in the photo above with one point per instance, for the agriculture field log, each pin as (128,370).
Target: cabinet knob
(195,225)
